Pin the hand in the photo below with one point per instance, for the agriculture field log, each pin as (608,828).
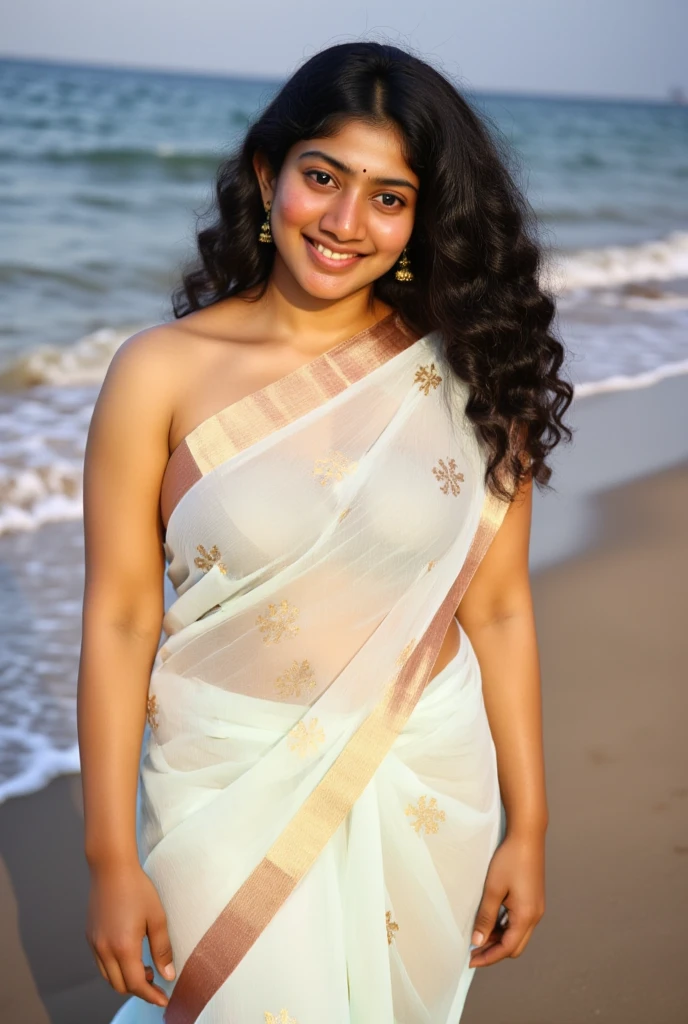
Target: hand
(516,878)
(123,907)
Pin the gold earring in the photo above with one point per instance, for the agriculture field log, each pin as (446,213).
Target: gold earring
(403,271)
(265,232)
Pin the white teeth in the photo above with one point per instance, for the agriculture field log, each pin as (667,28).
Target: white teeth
(334,255)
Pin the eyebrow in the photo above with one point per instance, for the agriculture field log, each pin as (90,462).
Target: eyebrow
(345,169)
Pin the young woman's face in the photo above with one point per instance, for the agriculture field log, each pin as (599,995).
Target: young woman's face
(352,195)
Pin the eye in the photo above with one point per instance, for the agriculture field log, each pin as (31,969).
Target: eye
(392,196)
(388,195)
(323,174)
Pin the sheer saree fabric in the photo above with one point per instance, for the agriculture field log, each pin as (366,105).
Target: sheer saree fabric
(316,810)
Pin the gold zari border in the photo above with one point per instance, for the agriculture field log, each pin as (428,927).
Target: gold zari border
(258,899)
(257,415)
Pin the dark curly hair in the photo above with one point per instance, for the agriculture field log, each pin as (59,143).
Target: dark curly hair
(473,248)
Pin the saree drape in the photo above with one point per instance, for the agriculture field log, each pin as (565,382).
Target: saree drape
(317,810)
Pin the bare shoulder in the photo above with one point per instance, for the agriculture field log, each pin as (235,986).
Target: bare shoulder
(124,462)
(149,359)
(220,353)
(162,375)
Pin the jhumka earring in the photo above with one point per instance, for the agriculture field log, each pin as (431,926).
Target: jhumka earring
(403,271)
(265,232)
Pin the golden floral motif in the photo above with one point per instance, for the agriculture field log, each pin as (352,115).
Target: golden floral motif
(334,467)
(298,677)
(404,655)
(205,560)
(152,711)
(427,377)
(432,563)
(392,927)
(427,814)
(305,739)
(279,621)
(281,1018)
(448,476)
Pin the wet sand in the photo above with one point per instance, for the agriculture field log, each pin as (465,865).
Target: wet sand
(613,637)
(614,647)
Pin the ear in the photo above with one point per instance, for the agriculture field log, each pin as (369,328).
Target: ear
(265,175)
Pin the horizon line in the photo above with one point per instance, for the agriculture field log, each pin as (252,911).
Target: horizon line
(268,80)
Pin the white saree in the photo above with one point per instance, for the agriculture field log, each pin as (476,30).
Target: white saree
(316,811)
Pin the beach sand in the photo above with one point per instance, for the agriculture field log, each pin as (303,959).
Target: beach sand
(614,643)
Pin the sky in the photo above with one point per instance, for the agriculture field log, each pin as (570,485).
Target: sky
(614,48)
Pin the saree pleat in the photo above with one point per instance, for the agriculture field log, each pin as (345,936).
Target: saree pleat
(316,809)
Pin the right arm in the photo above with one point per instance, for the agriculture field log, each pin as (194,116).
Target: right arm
(126,454)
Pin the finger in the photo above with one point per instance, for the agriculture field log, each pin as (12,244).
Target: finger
(524,942)
(486,917)
(113,973)
(500,949)
(493,938)
(501,924)
(161,948)
(99,962)
(134,975)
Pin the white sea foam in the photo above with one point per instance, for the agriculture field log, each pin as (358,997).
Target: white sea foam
(622,382)
(620,338)
(55,508)
(84,362)
(606,269)
(43,433)
(612,266)
(40,764)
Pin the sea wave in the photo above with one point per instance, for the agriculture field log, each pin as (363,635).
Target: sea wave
(631,336)
(38,765)
(84,362)
(119,156)
(630,382)
(41,482)
(35,501)
(613,266)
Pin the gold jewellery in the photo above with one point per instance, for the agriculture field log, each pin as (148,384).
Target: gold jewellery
(402,273)
(265,232)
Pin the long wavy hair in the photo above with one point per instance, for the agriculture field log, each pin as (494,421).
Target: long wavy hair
(473,249)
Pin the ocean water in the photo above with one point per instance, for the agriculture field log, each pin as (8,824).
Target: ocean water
(101,174)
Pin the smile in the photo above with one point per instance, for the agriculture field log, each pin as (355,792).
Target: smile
(331,256)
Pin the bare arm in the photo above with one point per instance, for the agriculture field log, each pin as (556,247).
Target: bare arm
(497,614)
(126,453)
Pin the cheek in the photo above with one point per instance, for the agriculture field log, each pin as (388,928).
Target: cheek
(297,205)
(391,233)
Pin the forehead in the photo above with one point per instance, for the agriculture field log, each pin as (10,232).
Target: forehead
(358,147)
(358,137)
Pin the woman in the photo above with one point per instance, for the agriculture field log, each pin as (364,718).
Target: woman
(341,784)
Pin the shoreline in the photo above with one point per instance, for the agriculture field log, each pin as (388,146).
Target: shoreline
(612,655)
(619,437)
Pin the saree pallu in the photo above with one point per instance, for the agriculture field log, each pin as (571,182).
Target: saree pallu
(317,810)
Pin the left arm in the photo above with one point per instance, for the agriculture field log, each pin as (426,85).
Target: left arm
(497,614)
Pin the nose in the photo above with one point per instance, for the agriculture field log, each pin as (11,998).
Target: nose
(344,219)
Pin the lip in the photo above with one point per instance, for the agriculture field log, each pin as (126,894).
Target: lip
(331,264)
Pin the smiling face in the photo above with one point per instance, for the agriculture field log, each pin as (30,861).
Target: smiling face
(342,209)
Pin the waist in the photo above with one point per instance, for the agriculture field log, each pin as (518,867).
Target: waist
(449,649)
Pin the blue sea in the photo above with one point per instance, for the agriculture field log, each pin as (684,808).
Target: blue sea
(102,172)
